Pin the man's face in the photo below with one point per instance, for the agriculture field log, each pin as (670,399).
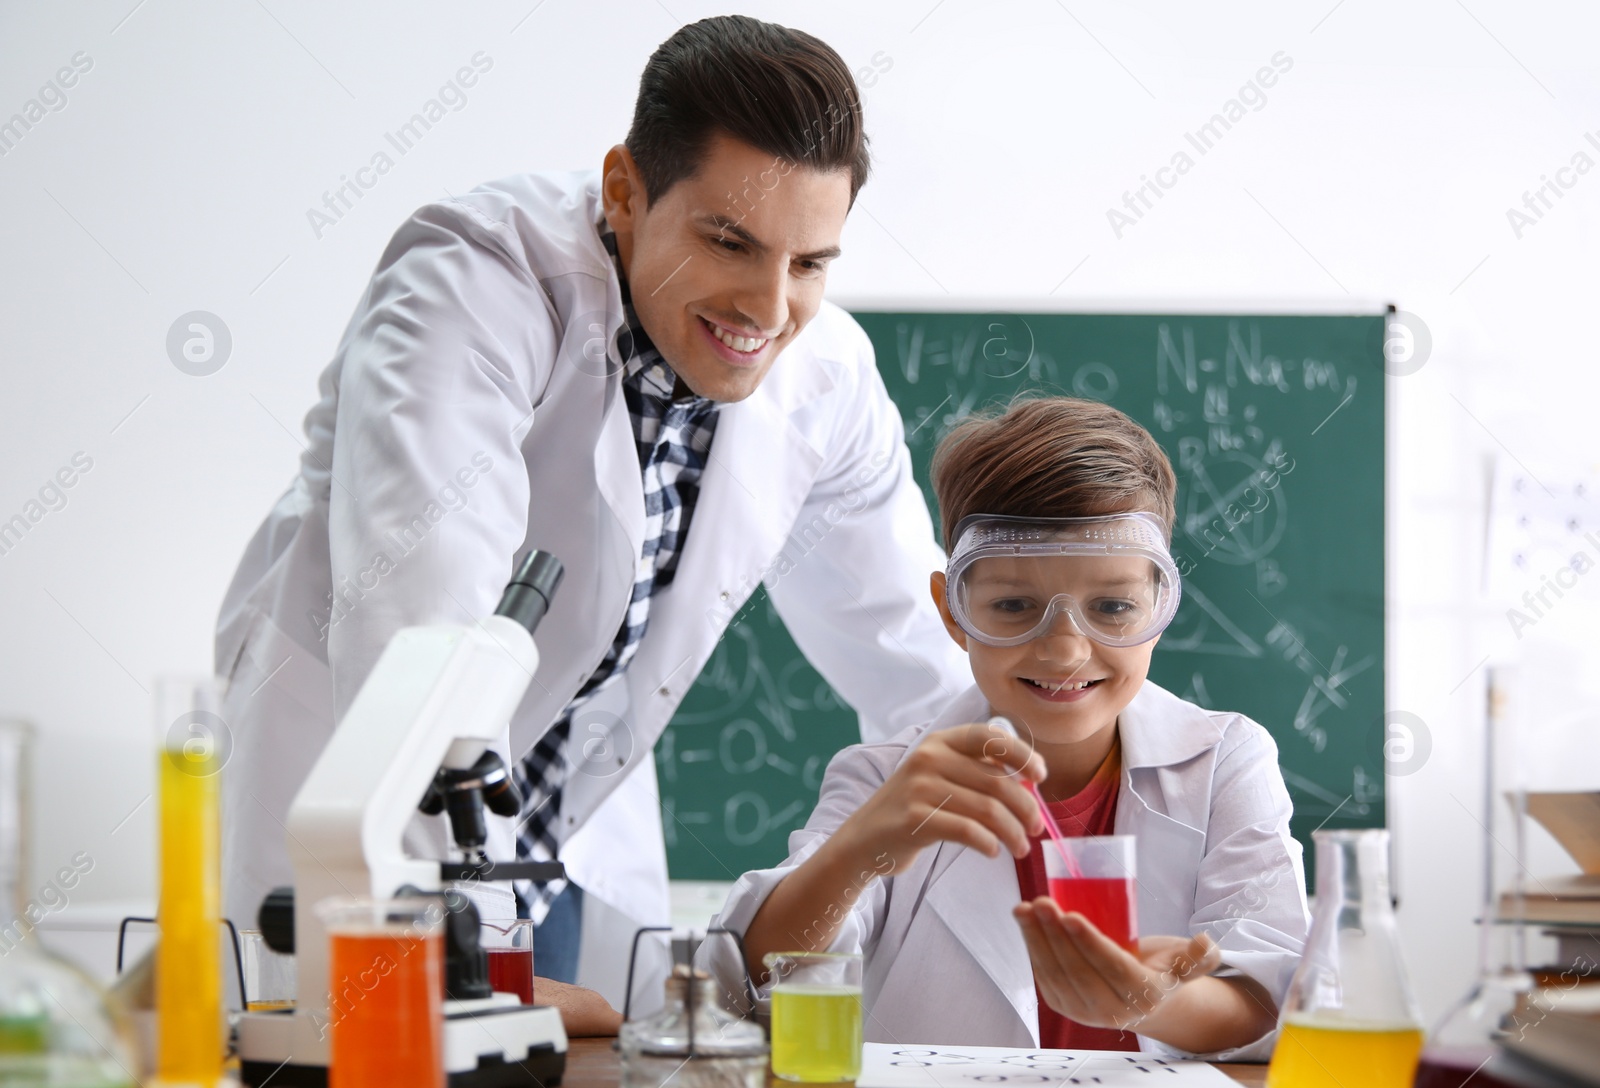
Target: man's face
(726,267)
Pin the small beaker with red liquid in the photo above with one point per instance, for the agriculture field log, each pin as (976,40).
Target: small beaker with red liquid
(1094,875)
(508,943)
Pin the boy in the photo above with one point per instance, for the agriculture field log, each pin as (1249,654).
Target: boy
(1056,517)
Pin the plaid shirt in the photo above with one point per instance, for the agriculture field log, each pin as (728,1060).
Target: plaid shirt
(673,429)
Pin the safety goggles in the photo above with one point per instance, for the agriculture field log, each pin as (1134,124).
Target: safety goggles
(1010,578)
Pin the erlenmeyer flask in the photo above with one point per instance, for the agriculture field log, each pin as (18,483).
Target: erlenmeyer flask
(1349,1017)
(58,1028)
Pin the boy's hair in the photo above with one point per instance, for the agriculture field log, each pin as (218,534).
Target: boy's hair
(780,90)
(1051,457)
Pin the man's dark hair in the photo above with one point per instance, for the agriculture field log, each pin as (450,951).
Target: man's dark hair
(779,90)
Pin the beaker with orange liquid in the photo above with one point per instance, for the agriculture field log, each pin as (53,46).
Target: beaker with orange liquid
(1349,1017)
(386,992)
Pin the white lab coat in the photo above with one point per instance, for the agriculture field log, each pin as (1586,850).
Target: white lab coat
(946,962)
(472,411)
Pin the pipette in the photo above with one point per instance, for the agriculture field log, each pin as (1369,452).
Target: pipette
(1001,722)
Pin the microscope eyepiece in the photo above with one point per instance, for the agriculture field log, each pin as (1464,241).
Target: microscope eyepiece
(527,595)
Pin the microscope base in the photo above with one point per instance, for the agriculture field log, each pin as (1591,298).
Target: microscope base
(487,1044)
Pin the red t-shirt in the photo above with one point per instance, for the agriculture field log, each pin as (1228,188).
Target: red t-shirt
(1091,811)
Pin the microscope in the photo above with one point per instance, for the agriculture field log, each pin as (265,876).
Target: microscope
(417,736)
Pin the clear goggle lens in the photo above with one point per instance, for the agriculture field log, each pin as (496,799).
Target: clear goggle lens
(1012,580)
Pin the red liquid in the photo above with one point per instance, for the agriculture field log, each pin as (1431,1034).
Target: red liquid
(1456,1068)
(1108,902)
(511,971)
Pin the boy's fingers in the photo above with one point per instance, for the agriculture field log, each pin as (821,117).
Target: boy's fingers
(1106,957)
(1054,977)
(1006,788)
(980,803)
(1097,988)
(1201,958)
(981,740)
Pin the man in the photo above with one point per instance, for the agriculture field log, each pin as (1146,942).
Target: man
(635,371)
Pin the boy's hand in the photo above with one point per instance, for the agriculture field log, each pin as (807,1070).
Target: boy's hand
(958,785)
(1087,977)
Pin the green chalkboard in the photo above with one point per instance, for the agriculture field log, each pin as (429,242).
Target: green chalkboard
(1275,425)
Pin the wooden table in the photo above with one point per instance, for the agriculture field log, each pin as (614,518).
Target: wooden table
(592,1063)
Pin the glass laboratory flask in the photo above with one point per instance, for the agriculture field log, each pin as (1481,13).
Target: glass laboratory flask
(1349,1017)
(58,1029)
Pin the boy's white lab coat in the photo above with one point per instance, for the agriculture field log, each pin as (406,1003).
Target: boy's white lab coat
(945,960)
(476,398)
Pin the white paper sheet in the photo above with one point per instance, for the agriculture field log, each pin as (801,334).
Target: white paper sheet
(885,1065)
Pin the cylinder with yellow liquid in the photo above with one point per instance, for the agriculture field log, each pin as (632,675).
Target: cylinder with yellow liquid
(192,747)
(1349,1017)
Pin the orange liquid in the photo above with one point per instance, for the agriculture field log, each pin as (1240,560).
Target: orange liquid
(386,1010)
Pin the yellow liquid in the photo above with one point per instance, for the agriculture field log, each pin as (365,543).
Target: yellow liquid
(1315,1053)
(816,1032)
(189,1043)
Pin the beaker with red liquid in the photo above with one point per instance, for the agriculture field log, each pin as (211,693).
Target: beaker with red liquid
(508,943)
(1094,875)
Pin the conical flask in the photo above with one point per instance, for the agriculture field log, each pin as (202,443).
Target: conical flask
(58,1029)
(1349,1017)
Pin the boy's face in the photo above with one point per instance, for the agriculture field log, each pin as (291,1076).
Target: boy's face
(1063,686)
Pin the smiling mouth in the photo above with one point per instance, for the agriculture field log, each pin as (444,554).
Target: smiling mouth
(1064,685)
(747,345)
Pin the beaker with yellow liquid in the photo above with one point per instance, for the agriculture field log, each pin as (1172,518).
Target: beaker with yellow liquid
(1349,1017)
(816,1015)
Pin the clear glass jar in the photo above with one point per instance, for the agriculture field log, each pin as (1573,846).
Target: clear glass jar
(693,1041)
(58,1029)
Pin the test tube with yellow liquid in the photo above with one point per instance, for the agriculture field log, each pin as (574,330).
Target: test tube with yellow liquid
(192,746)
(1349,1017)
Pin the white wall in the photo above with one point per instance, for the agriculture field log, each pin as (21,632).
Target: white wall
(178,175)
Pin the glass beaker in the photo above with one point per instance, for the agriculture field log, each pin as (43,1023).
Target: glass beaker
(1095,876)
(269,977)
(1349,1017)
(508,944)
(386,986)
(816,1015)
